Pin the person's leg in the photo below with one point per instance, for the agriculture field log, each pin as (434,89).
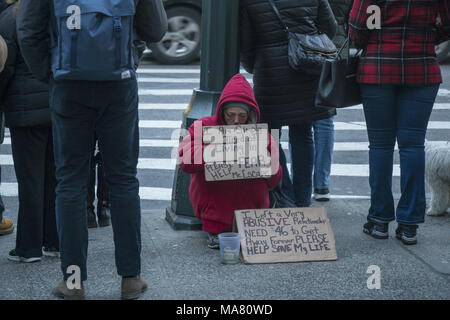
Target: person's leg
(118,138)
(323,157)
(92,222)
(414,109)
(103,205)
(28,147)
(301,140)
(50,241)
(286,183)
(2,206)
(73,137)
(380,113)
(6,224)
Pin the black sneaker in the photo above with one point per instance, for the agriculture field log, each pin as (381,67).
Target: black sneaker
(407,233)
(13,256)
(321,195)
(92,222)
(50,252)
(103,214)
(377,230)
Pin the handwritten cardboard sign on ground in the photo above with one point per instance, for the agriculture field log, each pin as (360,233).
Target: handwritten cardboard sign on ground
(285,235)
(236,152)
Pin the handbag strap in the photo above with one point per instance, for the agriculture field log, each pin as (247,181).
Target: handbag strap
(277,13)
(347,43)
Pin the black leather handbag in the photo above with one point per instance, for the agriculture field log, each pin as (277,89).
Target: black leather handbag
(307,52)
(337,84)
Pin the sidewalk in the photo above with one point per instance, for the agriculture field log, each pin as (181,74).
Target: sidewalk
(178,265)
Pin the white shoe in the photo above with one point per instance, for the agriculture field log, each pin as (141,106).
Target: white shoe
(322,195)
(50,252)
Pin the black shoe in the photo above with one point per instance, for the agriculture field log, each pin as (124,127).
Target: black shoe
(321,194)
(104,215)
(407,233)
(377,230)
(92,222)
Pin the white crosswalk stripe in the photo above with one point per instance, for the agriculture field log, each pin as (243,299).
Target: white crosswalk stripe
(165,93)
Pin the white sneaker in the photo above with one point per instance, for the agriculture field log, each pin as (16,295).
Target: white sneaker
(322,195)
(50,252)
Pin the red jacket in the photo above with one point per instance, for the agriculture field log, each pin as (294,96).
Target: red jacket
(214,202)
(402,51)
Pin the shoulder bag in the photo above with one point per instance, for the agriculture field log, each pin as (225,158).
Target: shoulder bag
(337,84)
(306,52)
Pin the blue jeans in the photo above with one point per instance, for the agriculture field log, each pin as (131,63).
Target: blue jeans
(81,109)
(397,113)
(302,161)
(323,156)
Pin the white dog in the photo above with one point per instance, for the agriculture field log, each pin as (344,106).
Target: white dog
(437,176)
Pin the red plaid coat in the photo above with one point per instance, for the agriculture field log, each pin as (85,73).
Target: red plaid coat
(402,51)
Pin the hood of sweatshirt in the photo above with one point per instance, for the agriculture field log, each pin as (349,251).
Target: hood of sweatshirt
(239,91)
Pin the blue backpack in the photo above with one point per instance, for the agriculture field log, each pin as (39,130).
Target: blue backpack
(93,40)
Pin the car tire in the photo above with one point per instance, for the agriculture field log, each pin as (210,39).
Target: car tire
(181,43)
(442,51)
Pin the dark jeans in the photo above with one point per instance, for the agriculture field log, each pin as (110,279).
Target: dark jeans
(81,109)
(397,113)
(2,206)
(32,151)
(302,162)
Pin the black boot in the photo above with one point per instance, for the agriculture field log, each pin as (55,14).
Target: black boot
(103,214)
(92,222)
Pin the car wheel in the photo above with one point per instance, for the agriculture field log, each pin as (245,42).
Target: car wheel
(181,43)
(442,51)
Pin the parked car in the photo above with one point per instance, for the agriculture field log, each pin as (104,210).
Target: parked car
(181,44)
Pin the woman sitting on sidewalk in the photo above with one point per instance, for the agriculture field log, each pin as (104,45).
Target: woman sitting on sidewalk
(214,202)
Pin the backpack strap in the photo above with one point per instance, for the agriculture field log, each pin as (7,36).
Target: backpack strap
(117,27)
(73,48)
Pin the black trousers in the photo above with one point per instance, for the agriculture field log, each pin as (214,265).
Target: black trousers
(2,206)
(34,164)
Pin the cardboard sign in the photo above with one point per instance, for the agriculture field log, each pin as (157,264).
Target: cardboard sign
(236,152)
(285,235)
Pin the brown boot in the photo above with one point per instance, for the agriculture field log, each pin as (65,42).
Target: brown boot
(61,291)
(132,287)
(6,226)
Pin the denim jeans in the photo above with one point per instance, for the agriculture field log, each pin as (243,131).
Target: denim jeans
(302,161)
(323,155)
(81,109)
(397,113)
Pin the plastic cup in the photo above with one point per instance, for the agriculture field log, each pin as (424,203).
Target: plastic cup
(230,246)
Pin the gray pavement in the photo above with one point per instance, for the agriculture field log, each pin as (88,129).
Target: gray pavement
(178,266)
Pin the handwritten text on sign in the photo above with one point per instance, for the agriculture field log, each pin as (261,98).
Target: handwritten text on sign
(236,152)
(285,235)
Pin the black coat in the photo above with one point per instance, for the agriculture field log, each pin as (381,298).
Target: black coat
(34,39)
(285,96)
(25,98)
(341,10)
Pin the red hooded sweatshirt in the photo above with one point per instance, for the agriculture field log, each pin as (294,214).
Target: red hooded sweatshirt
(214,202)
